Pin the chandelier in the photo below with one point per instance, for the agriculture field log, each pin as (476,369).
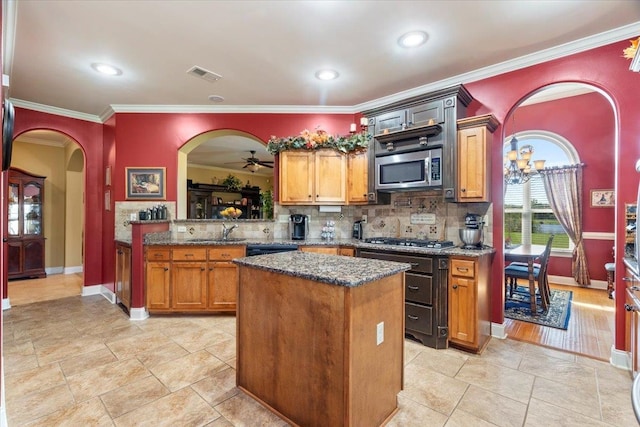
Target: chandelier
(517,167)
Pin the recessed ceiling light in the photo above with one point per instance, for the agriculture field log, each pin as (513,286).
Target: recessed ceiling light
(327,74)
(216,98)
(412,39)
(107,69)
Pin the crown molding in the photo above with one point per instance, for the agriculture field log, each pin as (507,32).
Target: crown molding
(55,110)
(264,109)
(546,55)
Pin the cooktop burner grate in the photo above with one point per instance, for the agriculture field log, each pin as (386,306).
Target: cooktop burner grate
(419,243)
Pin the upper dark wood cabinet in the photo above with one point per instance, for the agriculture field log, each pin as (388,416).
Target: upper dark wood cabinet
(25,225)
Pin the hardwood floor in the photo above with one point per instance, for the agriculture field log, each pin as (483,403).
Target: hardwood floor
(54,286)
(590,331)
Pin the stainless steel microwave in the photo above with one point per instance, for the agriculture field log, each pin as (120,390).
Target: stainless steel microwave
(414,171)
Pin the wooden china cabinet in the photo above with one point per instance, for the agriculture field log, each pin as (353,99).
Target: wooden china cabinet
(25,225)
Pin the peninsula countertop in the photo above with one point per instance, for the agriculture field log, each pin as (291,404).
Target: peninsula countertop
(336,270)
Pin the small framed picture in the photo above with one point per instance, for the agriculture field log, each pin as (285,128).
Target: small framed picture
(145,183)
(602,199)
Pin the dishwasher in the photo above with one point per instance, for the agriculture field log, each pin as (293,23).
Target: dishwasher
(269,248)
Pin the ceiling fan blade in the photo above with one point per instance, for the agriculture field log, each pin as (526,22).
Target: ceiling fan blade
(265,165)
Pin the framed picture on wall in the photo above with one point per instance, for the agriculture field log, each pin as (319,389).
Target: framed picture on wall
(145,183)
(602,199)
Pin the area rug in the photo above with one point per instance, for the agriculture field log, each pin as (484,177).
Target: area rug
(557,316)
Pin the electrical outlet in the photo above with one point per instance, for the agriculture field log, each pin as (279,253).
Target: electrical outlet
(379,333)
(182,229)
(364,219)
(133,217)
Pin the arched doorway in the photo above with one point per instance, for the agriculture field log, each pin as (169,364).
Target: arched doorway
(61,160)
(584,118)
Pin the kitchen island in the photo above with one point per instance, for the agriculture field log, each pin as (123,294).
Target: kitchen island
(320,338)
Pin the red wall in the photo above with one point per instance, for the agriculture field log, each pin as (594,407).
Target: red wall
(603,68)
(89,136)
(152,140)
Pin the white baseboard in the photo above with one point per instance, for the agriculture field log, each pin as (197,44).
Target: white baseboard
(99,290)
(73,270)
(620,359)
(498,330)
(569,281)
(53,270)
(138,313)
(6,304)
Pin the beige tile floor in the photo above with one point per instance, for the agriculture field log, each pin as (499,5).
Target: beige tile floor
(80,361)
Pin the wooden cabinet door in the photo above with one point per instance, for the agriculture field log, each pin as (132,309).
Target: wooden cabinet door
(14,258)
(473,176)
(33,251)
(158,282)
(390,122)
(330,177)
(425,114)
(329,250)
(347,251)
(296,173)
(123,275)
(358,177)
(189,286)
(222,286)
(462,310)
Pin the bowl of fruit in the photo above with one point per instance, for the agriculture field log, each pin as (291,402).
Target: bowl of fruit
(231,212)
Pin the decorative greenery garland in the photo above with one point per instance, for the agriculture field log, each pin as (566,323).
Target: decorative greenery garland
(318,140)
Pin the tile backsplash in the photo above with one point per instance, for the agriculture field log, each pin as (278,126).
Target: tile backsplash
(393,220)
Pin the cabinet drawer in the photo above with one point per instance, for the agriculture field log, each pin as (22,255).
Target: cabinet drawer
(418,318)
(226,253)
(463,268)
(189,254)
(418,264)
(418,288)
(158,254)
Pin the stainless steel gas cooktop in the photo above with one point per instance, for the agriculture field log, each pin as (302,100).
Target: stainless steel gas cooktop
(418,243)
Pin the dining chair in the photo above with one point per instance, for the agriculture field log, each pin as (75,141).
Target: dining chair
(520,270)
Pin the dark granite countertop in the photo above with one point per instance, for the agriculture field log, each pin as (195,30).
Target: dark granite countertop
(336,270)
(320,242)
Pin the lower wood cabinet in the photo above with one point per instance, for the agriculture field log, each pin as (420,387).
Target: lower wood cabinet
(329,250)
(123,275)
(468,314)
(191,278)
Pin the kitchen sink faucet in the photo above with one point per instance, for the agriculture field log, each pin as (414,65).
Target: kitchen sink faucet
(227,230)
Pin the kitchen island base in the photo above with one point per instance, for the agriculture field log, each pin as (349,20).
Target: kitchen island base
(320,354)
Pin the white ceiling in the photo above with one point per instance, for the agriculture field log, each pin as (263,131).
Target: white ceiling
(268,51)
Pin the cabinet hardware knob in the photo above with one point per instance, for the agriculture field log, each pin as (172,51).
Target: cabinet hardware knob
(414,264)
(166,269)
(462,269)
(413,288)
(463,190)
(412,317)
(455,286)
(202,269)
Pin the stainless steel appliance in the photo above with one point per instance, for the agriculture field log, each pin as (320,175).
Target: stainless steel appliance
(269,248)
(471,235)
(298,226)
(411,171)
(418,243)
(357,230)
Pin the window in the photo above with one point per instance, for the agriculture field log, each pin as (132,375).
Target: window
(528,217)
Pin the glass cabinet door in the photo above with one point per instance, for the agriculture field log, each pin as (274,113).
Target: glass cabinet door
(13,208)
(32,209)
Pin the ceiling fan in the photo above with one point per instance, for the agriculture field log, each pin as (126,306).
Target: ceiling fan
(253,163)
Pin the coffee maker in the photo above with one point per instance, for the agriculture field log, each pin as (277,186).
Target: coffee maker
(298,226)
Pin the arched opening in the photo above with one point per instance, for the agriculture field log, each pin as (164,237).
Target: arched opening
(213,155)
(568,123)
(61,160)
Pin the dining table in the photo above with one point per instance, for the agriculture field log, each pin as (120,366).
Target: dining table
(528,253)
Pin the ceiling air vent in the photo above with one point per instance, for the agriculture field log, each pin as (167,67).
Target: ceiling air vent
(204,73)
